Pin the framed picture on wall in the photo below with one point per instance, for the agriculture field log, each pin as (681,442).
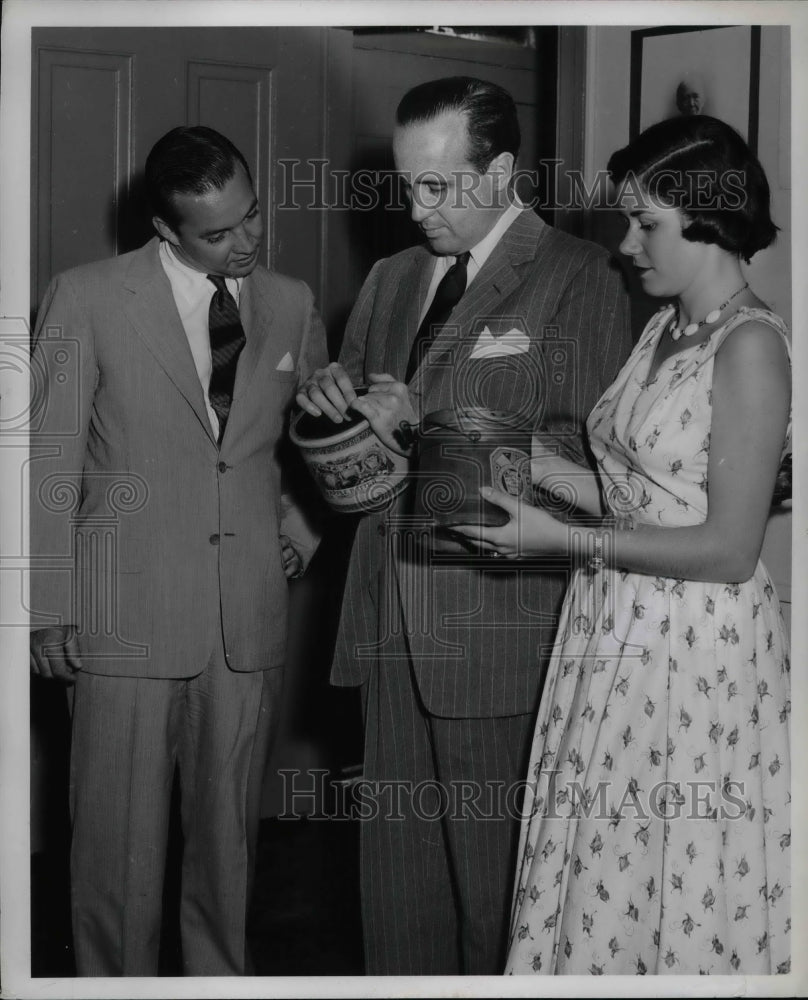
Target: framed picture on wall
(696,70)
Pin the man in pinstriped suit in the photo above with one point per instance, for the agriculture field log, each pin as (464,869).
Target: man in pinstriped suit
(451,654)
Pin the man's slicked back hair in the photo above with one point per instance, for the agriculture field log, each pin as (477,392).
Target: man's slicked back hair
(490,112)
(190,159)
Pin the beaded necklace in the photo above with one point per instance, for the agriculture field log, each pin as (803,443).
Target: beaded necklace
(676,331)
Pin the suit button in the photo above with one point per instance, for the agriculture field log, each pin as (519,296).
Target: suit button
(222,466)
(382,530)
(214,539)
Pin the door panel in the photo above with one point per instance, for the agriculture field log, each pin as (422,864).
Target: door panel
(84,144)
(103,96)
(236,101)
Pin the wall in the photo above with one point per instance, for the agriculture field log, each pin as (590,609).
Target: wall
(607,129)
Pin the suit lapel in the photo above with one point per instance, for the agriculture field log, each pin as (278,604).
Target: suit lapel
(499,277)
(407,305)
(152,312)
(256,313)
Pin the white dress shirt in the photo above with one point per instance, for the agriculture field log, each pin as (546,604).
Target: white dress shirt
(192,293)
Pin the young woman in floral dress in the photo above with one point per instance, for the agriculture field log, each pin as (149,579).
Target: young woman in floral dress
(656,826)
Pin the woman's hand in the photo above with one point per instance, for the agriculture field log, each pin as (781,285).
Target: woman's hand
(530,531)
(564,480)
(385,406)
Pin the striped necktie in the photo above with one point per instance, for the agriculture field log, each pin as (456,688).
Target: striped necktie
(226,341)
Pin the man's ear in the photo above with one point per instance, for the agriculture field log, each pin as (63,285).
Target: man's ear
(501,169)
(165,231)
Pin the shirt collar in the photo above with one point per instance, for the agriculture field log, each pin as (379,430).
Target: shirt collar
(483,250)
(192,281)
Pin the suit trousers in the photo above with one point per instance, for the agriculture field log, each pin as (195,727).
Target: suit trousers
(128,735)
(438,843)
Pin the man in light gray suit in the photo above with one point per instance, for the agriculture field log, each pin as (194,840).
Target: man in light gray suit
(497,308)
(161,543)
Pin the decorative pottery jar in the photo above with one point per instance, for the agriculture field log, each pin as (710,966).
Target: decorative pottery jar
(353,469)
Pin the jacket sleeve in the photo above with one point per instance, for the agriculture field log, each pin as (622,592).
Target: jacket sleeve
(64,376)
(593,319)
(299,503)
(313,345)
(354,345)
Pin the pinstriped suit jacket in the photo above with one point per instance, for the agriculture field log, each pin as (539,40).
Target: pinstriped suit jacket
(478,639)
(163,539)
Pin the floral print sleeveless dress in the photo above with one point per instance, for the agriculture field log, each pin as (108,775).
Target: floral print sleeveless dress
(656,827)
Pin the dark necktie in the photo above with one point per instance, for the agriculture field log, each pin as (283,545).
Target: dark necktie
(226,341)
(447,295)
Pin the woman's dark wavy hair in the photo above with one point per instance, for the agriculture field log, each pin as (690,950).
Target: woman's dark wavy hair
(491,120)
(702,166)
(190,159)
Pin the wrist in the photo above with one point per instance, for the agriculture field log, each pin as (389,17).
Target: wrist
(557,538)
(618,522)
(596,546)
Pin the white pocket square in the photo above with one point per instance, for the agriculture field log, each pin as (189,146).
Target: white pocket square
(286,364)
(488,346)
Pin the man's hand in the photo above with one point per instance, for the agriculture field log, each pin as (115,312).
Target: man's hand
(292,563)
(55,653)
(328,391)
(387,406)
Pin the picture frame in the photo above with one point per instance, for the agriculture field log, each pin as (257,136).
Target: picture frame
(698,69)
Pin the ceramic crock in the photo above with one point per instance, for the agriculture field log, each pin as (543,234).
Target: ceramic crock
(353,469)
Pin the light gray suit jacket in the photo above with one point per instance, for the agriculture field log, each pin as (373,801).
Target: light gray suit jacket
(144,533)
(478,639)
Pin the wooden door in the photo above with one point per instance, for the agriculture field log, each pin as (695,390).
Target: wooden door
(103,96)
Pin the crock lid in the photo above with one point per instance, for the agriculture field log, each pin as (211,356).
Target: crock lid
(322,429)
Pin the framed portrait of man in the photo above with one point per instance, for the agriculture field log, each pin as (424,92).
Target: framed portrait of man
(700,70)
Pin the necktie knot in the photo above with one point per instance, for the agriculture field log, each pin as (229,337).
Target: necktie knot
(453,285)
(219,282)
